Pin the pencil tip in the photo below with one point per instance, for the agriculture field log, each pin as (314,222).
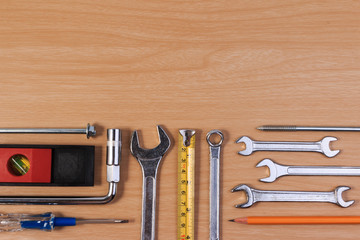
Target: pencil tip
(232,220)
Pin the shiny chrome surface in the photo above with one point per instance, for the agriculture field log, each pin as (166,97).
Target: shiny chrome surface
(255,195)
(149,160)
(215,149)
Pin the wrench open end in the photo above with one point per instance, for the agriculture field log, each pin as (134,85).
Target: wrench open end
(339,198)
(141,153)
(325,147)
(248,193)
(248,145)
(275,170)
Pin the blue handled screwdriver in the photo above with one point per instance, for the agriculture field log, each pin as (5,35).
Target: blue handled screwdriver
(14,222)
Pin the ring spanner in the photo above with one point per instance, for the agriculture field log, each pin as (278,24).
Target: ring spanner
(254,195)
(214,184)
(322,146)
(278,170)
(149,160)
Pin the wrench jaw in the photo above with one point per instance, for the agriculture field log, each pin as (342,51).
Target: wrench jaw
(339,199)
(248,145)
(249,195)
(276,170)
(150,154)
(325,147)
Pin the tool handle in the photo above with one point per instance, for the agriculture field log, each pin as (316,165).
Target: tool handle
(287,146)
(214,193)
(293,196)
(14,222)
(148,208)
(323,171)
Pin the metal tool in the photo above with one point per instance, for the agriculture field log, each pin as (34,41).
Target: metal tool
(14,222)
(89,131)
(292,220)
(113,177)
(186,184)
(149,160)
(278,170)
(322,146)
(215,184)
(307,128)
(254,195)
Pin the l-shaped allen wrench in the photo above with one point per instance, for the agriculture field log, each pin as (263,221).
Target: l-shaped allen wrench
(113,156)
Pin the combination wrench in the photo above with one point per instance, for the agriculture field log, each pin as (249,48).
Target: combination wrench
(278,170)
(322,146)
(149,160)
(254,195)
(214,184)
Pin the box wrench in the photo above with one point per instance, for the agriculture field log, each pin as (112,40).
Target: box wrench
(214,184)
(149,160)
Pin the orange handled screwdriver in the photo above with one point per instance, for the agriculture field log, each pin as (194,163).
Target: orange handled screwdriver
(282,220)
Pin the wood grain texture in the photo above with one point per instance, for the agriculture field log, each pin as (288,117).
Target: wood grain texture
(230,65)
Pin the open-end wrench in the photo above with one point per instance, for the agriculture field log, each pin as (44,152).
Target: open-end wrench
(278,170)
(254,195)
(149,160)
(322,146)
(214,184)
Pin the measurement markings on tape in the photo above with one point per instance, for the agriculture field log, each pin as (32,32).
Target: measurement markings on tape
(186,184)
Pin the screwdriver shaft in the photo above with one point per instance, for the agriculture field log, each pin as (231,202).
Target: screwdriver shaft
(96,221)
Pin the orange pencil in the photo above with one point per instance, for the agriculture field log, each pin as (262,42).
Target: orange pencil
(277,220)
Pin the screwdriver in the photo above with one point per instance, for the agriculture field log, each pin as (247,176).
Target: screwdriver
(14,222)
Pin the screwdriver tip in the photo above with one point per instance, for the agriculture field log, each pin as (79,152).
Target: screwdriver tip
(232,220)
(121,221)
(260,128)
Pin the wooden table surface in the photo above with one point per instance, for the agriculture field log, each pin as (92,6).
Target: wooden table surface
(228,65)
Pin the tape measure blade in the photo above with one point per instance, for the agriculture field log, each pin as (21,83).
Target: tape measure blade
(186,180)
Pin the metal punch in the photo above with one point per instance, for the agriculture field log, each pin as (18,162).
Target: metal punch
(113,177)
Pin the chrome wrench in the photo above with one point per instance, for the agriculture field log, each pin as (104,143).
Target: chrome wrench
(278,170)
(149,160)
(322,146)
(254,195)
(215,184)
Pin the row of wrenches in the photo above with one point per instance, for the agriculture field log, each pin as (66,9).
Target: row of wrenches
(277,170)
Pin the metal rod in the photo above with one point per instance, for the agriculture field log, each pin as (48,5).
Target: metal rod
(96,221)
(89,131)
(307,128)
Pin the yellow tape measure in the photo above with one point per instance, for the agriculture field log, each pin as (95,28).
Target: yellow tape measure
(186,184)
